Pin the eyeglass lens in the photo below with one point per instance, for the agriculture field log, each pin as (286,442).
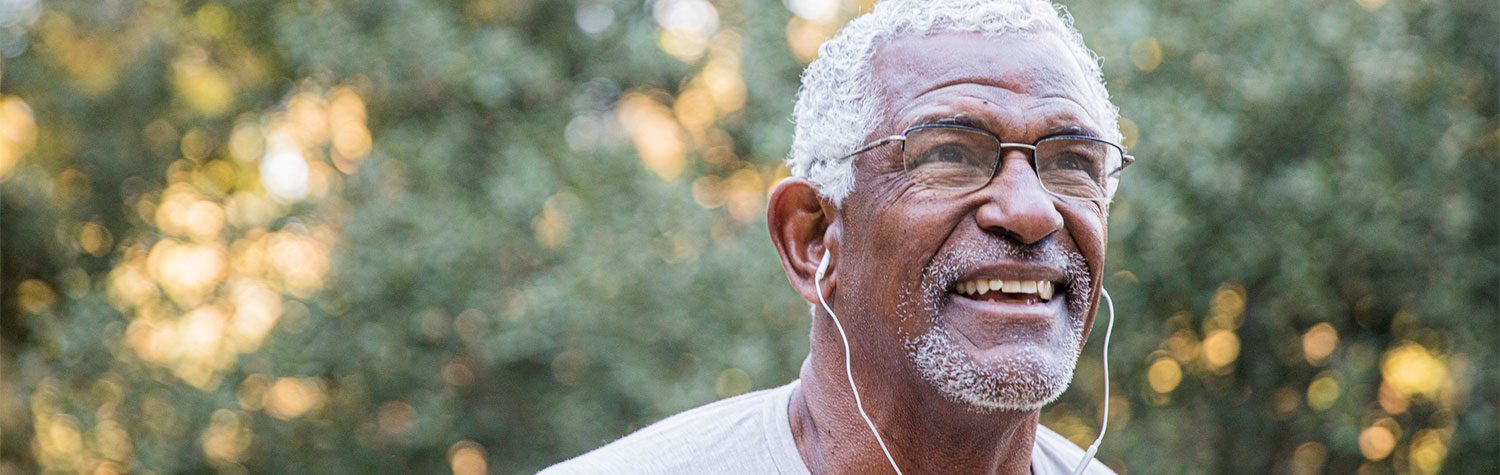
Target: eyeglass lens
(963,159)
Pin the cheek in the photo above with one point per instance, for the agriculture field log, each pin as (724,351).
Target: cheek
(1085,225)
(898,241)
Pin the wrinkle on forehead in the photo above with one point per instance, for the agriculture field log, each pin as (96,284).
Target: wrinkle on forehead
(1030,64)
(1051,115)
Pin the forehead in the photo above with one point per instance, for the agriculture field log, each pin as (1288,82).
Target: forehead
(1033,75)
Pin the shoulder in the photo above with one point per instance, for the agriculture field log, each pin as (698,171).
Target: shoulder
(1052,453)
(728,436)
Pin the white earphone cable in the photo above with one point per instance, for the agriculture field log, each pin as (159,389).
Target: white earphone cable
(848,365)
(859,404)
(1104,424)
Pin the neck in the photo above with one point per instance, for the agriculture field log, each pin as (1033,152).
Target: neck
(925,432)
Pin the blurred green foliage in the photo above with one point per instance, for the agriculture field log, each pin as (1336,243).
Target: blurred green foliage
(488,235)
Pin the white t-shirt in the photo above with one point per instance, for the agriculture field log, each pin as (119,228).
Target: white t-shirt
(751,433)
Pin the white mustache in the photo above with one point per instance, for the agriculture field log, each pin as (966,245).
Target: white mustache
(945,269)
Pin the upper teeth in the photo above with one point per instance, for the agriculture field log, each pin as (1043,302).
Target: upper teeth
(1042,288)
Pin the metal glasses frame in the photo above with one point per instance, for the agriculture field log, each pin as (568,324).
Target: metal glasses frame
(1125,159)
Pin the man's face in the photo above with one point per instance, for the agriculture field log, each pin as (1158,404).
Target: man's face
(911,254)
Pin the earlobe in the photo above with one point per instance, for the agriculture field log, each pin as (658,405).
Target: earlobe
(801,227)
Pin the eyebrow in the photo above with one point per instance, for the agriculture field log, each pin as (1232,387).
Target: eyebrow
(958,119)
(971,121)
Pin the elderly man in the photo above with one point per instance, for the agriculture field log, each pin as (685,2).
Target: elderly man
(953,164)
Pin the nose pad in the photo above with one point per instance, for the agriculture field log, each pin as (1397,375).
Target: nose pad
(1016,204)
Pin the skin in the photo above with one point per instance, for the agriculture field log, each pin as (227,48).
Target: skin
(889,229)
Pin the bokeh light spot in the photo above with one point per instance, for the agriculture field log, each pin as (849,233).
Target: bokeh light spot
(1411,369)
(1323,391)
(17,132)
(1145,54)
(396,419)
(805,37)
(1378,440)
(1428,450)
(654,130)
(284,170)
(466,457)
(289,398)
(1164,375)
(732,382)
(1308,458)
(1318,343)
(35,296)
(1221,348)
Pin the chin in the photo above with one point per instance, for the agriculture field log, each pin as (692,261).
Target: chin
(1014,377)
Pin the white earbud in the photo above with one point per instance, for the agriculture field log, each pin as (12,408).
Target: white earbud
(1104,424)
(848,366)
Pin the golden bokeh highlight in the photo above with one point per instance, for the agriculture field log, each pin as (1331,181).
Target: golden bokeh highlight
(552,227)
(1323,392)
(1318,343)
(1227,309)
(805,37)
(34,297)
(1164,375)
(17,133)
(467,457)
(350,135)
(1183,345)
(290,398)
(202,85)
(213,19)
(686,26)
(94,239)
(252,392)
(62,442)
(1378,440)
(1308,459)
(668,131)
(1220,349)
(743,192)
(1429,449)
(1391,400)
(732,382)
(1145,54)
(92,62)
(653,128)
(1412,370)
(227,438)
(213,278)
(1130,132)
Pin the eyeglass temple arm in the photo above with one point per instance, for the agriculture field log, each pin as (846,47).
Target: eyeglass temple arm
(872,145)
(1125,161)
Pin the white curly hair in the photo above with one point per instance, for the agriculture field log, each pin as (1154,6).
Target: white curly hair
(837,106)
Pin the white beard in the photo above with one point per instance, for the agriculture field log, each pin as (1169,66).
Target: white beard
(1026,381)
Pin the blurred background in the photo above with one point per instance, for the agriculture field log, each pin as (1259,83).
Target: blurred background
(340,236)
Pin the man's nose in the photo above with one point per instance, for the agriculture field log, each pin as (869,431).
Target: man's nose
(1016,205)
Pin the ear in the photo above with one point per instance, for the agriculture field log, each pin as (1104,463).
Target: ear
(803,227)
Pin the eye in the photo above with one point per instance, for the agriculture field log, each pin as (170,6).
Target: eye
(949,154)
(1071,161)
(1083,158)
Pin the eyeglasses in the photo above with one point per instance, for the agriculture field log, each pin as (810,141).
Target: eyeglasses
(956,157)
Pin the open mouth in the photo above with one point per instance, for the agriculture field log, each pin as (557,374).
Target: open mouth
(1007,290)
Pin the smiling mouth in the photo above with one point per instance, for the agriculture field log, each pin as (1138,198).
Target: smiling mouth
(1007,290)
